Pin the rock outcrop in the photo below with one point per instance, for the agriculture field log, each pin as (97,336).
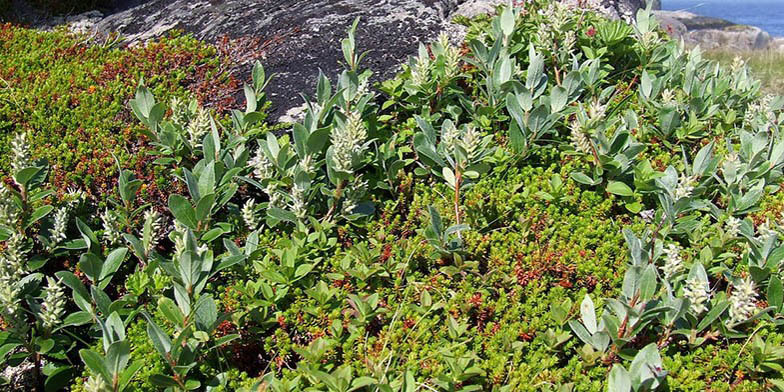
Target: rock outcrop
(297,38)
(711,33)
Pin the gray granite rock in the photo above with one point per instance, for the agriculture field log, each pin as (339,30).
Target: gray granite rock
(711,33)
(296,38)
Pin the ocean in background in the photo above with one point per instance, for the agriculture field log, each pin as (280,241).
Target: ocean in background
(765,14)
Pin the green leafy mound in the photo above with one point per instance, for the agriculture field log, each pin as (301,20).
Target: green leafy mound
(71,98)
(562,203)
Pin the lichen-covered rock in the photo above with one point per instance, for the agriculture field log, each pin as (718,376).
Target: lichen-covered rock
(710,33)
(293,38)
(297,38)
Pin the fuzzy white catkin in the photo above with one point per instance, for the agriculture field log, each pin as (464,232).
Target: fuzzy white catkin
(348,141)
(262,167)
(732,226)
(74,196)
(685,186)
(249,215)
(10,310)
(198,127)
(298,201)
(96,384)
(9,213)
(578,138)
(178,237)
(673,262)
(155,220)
(765,231)
(420,71)
(274,196)
(698,294)
(470,140)
(451,56)
(307,164)
(743,301)
(53,306)
(8,299)
(12,260)
(180,111)
(57,232)
(20,150)
(111,227)
(449,136)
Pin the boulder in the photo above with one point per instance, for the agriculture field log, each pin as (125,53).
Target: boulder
(711,33)
(296,38)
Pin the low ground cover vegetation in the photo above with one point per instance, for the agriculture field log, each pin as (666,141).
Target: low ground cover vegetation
(562,202)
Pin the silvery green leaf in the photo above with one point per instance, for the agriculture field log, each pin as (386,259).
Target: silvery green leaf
(558,99)
(619,380)
(704,160)
(648,283)
(588,314)
(449,176)
(507,21)
(646,368)
(646,85)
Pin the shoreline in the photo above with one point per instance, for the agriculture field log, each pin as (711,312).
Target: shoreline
(711,32)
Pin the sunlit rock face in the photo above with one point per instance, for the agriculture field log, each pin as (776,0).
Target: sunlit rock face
(297,38)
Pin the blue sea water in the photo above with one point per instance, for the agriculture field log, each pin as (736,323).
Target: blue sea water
(765,14)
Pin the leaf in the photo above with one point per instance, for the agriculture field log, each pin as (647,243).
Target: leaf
(204,207)
(775,292)
(582,178)
(558,99)
(128,373)
(111,265)
(449,176)
(59,379)
(282,215)
(81,296)
(212,234)
(703,161)
(713,314)
(24,176)
(39,213)
(619,188)
(646,86)
(206,312)
(77,318)
(183,211)
(89,237)
(163,381)
(507,21)
(96,365)
(588,314)
(117,357)
(207,179)
(318,139)
(648,283)
(169,309)
(91,265)
(160,340)
(619,380)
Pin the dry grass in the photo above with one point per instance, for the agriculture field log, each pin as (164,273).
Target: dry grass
(767,65)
